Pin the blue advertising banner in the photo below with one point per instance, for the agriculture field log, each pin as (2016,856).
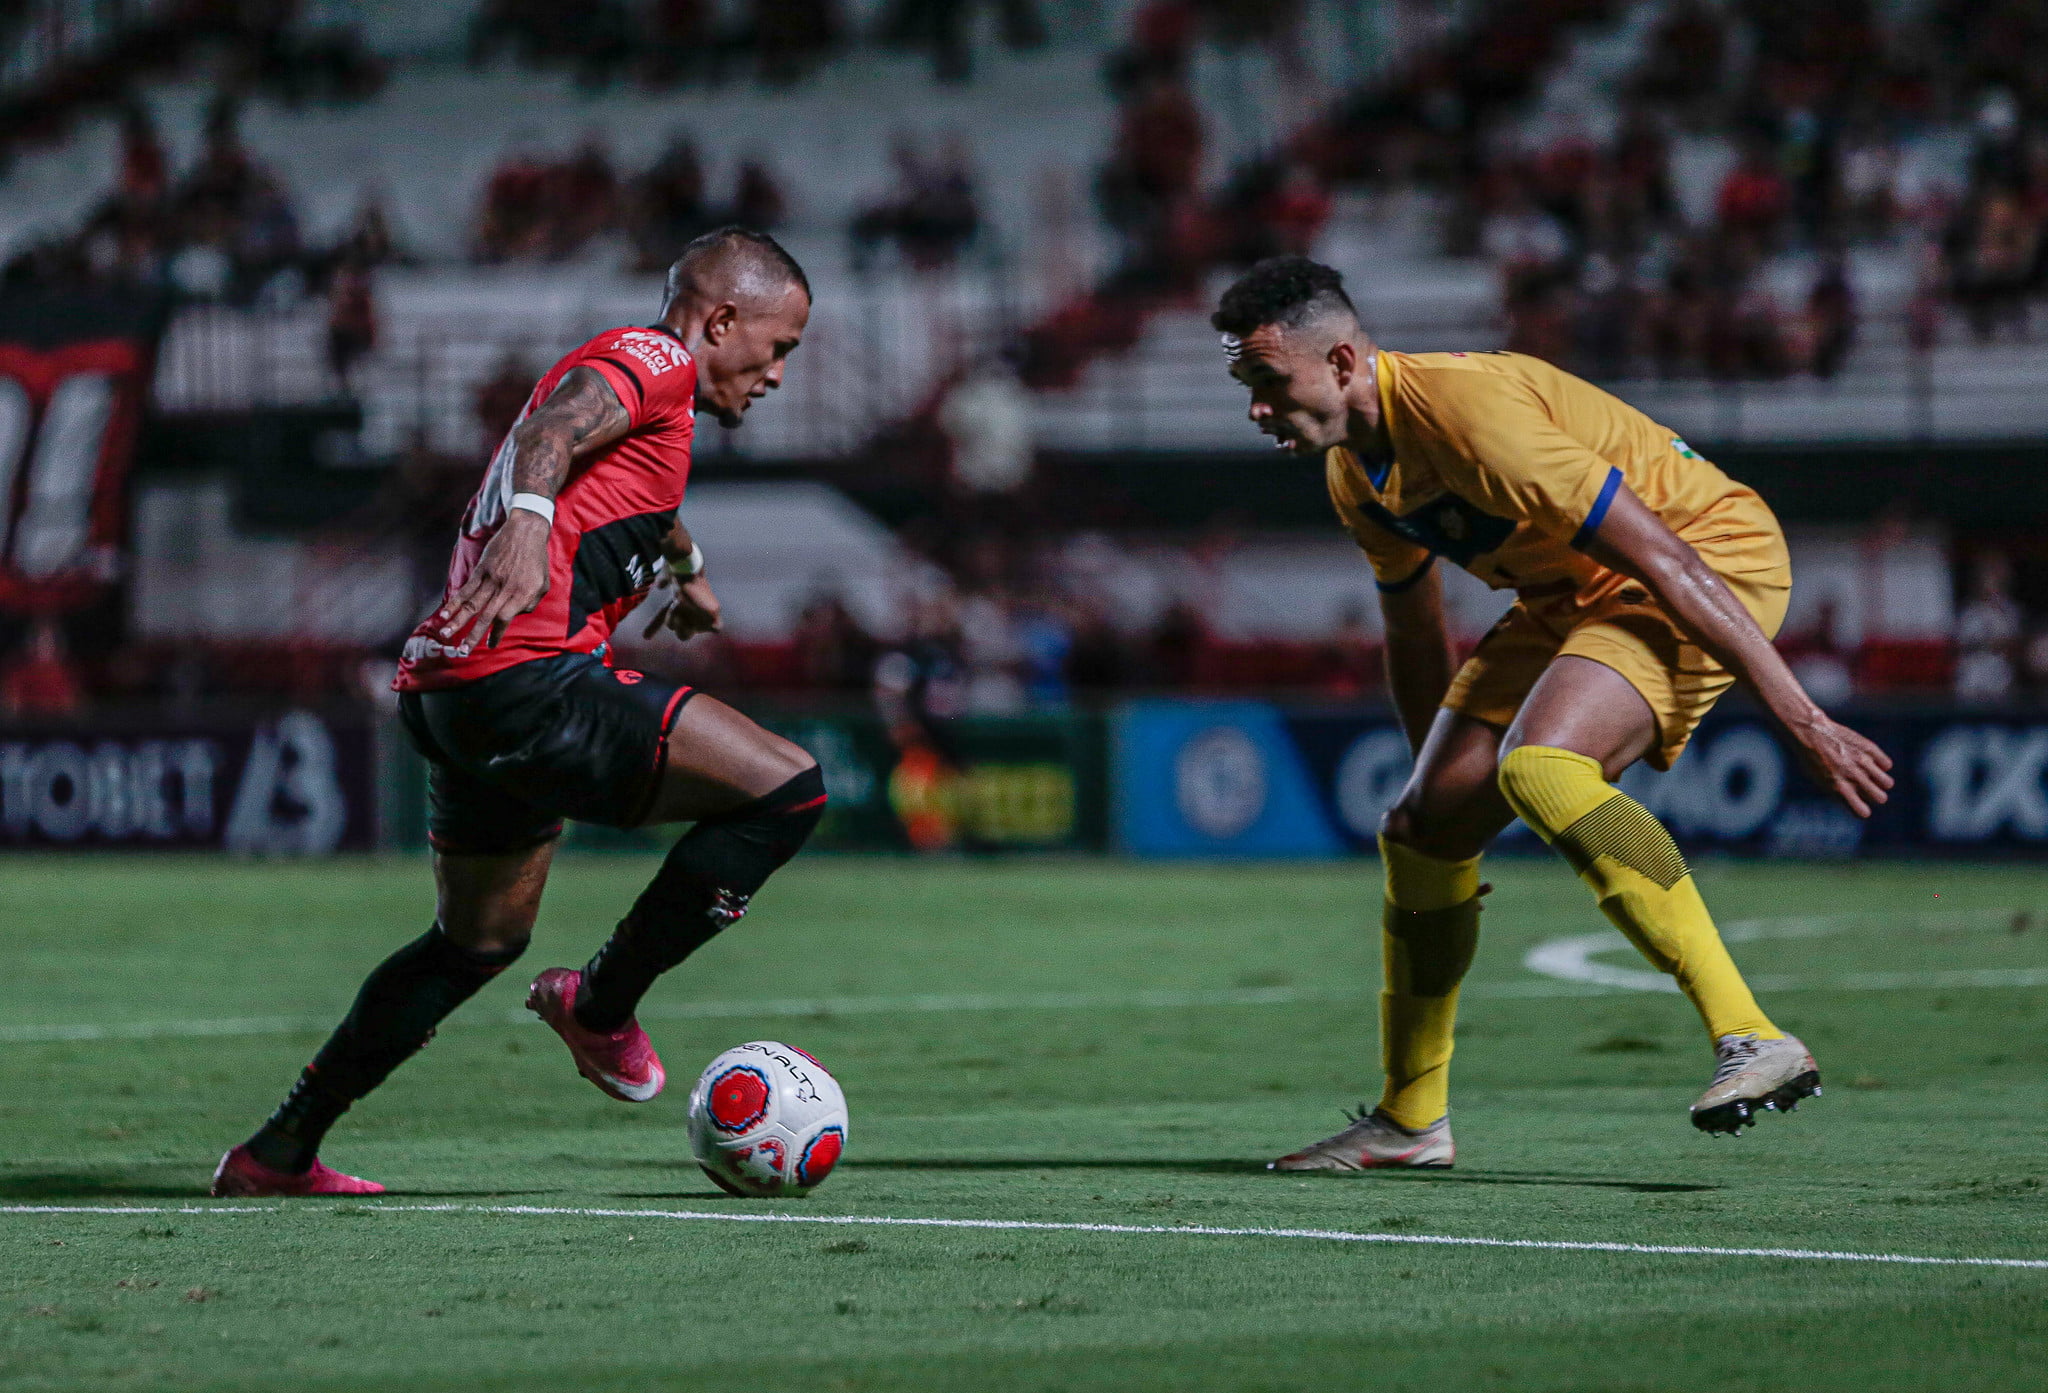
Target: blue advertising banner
(296,784)
(1254,779)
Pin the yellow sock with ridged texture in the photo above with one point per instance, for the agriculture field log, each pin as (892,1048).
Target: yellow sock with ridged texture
(1428,931)
(1641,881)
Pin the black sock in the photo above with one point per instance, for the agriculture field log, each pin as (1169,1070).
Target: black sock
(703,886)
(395,1013)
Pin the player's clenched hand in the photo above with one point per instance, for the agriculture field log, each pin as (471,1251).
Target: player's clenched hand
(690,610)
(509,579)
(1852,768)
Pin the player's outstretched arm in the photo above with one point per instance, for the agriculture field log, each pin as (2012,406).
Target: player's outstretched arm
(581,415)
(1419,657)
(1635,541)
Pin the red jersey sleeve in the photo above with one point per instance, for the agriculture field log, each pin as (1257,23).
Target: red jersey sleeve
(653,374)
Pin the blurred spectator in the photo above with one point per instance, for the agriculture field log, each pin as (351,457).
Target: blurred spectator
(582,198)
(946,28)
(758,201)
(1153,165)
(1174,648)
(990,654)
(145,175)
(1754,197)
(1289,216)
(1819,657)
(834,652)
(1354,653)
(1045,647)
(678,44)
(1098,658)
(1830,327)
(920,680)
(39,679)
(792,37)
(667,205)
(1988,632)
(930,215)
(514,224)
(351,321)
(593,38)
(219,185)
(502,397)
(1996,256)
(987,418)
(369,241)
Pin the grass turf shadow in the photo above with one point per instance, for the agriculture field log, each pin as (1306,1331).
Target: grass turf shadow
(1192,1166)
(1240,1167)
(170,1181)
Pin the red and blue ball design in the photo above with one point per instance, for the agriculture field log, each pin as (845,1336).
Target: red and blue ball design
(738,1099)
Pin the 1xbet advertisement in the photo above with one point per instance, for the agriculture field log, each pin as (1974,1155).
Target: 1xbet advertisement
(1251,779)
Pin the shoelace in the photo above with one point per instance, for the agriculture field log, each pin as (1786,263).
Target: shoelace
(1735,1057)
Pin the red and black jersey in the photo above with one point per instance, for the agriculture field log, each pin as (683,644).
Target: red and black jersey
(610,517)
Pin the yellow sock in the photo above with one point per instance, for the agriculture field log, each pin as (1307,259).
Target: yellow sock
(1620,849)
(1429,929)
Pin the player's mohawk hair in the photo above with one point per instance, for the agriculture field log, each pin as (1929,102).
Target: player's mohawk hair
(743,244)
(1285,290)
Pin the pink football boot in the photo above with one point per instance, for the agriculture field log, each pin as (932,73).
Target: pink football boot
(623,1063)
(241,1176)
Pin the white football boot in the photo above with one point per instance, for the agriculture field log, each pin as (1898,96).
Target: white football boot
(1375,1142)
(1752,1076)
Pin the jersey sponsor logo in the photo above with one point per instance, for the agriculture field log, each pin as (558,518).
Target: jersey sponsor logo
(629,677)
(419,648)
(658,353)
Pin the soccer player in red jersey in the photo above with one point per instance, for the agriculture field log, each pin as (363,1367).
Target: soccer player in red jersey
(507,690)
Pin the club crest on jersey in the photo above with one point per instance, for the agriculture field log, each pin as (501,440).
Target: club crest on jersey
(738,1099)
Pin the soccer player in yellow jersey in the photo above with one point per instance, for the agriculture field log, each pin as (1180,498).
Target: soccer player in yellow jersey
(1647,583)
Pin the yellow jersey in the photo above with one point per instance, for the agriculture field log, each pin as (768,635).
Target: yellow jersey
(1505,465)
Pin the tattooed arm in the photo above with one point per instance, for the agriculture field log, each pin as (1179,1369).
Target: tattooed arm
(581,415)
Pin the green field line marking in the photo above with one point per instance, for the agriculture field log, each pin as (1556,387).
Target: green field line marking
(1042,1226)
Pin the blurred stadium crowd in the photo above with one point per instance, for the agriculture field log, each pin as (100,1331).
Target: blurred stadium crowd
(1679,190)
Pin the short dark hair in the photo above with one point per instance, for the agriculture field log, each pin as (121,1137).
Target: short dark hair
(723,246)
(1286,290)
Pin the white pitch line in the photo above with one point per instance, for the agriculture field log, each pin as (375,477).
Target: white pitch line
(1041,1226)
(1560,967)
(971,1002)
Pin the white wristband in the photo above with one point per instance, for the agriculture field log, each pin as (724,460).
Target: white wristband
(691,568)
(534,503)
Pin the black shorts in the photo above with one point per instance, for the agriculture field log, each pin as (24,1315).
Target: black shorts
(510,755)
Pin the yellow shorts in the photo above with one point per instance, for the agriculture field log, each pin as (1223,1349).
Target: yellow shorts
(1616,623)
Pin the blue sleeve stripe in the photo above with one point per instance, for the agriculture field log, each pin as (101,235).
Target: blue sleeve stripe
(1395,587)
(1600,507)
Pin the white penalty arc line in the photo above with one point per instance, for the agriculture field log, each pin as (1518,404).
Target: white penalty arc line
(1574,959)
(1041,1226)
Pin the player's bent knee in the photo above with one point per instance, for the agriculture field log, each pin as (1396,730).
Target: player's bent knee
(1405,824)
(501,939)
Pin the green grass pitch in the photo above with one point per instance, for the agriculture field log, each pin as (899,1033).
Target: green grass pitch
(1056,1042)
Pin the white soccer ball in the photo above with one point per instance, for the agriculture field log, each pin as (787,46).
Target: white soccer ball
(766,1119)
